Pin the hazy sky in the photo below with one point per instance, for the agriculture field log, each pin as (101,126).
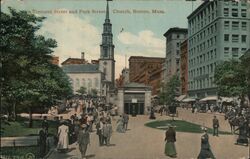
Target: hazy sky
(134,33)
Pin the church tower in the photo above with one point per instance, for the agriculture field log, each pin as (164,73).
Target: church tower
(106,61)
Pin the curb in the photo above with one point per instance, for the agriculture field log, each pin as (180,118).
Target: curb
(49,153)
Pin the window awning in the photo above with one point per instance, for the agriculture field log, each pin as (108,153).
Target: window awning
(227,99)
(209,98)
(189,100)
(180,98)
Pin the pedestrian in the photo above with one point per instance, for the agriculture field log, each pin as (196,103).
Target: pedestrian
(125,121)
(170,139)
(205,151)
(242,138)
(76,129)
(120,125)
(109,127)
(152,115)
(216,126)
(105,133)
(63,137)
(45,124)
(42,142)
(99,127)
(108,118)
(83,140)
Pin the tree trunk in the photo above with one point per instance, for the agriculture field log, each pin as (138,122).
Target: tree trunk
(14,111)
(30,118)
(248,100)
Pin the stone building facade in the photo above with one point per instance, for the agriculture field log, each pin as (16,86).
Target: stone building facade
(174,37)
(184,68)
(218,31)
(142,67)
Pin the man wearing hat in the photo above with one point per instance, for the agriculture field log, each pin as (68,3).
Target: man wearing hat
(216,126)
(170,139)
(83,140)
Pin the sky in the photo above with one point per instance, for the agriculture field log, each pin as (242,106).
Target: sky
(77,25)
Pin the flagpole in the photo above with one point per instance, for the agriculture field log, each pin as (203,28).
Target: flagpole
(192,5)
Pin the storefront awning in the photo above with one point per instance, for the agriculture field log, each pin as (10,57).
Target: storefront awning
(180,98)
(227,99)
(188,100)
(209,98)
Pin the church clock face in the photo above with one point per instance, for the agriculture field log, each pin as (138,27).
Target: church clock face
(104,63)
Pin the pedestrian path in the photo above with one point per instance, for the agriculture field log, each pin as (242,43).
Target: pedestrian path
(141,142)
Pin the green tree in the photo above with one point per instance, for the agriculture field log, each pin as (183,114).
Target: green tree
(94,92)
(170,91)
(82,90)
(30,81)
(245,64)
(231,79)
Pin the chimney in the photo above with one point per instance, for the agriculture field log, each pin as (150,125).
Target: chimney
(82,55)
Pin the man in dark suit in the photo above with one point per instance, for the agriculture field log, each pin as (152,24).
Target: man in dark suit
(216,126)
(83,140)
(126,119)
(42,142)
(45,125)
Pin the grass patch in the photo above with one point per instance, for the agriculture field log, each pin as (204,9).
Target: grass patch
(19,152)
(181,126)
(20,128)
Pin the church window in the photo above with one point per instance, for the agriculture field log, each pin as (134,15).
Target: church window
(83,82)
(104,71)
(72,82)
(105,49)
(89,83)
(77,83)
(96,83)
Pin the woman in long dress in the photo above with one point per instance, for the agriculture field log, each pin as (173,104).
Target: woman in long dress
(205,147)
(170,139)
(63,138)
(120,122)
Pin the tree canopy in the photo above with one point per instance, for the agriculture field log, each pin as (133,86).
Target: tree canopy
(29,79)
(82,90)
(233,78)
(170,90)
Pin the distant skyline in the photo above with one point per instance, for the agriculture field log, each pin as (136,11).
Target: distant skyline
(138,26)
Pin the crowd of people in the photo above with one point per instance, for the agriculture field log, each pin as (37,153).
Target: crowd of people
(90,116)
(239,120)
(93,116)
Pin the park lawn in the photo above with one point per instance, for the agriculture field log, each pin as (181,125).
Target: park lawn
(19,152)
(20,128)
(181,126)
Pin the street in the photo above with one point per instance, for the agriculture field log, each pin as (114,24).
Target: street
(141,142)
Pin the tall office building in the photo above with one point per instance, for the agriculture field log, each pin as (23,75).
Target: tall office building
(174,38)
(217,31)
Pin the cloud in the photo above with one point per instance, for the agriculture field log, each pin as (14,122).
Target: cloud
(144,42)
(76,34)
(73,35)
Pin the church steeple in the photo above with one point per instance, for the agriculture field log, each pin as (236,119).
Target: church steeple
(107,12)
(106,61)
(107,47)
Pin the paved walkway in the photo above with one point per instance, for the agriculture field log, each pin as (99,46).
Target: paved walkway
(141,142)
